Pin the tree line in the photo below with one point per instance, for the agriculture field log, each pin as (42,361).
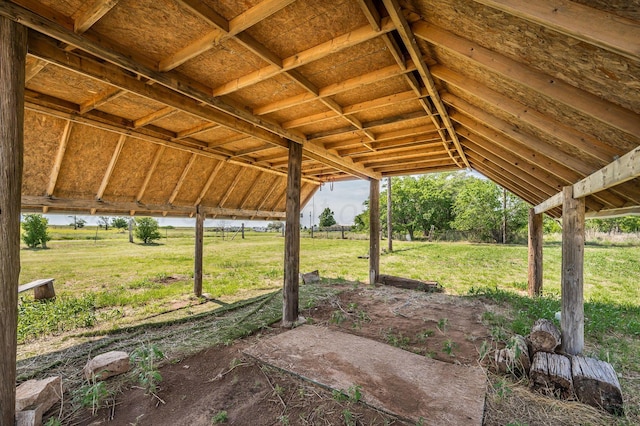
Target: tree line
(430,205)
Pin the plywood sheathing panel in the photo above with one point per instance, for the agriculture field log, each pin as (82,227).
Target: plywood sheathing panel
(396,110)
(518,92)
(379,89)
(271,90)
(244,144)
(179,121)
(131,22)
(69,86)
(260,188)
(242,187)
(85,162)
(221,183)
(130,171)
(222,63)
(130,106)
(65,7)
(626,8)
(600,72)
(277,197)
(165,177)
(286,32)
(348,63)
(195,180)
(218,134)
(303,110)
(326,125)
(42,135)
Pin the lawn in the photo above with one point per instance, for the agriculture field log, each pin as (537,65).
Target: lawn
(107,283)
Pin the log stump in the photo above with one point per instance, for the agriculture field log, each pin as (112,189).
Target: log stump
(514,358)
(544,337)
(596,384)
(551,374)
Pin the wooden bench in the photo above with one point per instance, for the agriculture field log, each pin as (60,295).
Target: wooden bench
(43,288)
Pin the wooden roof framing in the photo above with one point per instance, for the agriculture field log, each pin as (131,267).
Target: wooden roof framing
(164,106)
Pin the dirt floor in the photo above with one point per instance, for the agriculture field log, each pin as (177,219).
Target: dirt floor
(200,389)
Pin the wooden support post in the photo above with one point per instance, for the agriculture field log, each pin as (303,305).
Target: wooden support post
(292,236)
(535,253)
(197,267)
(389,225)
(572,322)
(13,52)
(131,230)
(242,229)
(374,231)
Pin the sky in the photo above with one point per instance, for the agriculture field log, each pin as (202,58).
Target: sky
(345,199)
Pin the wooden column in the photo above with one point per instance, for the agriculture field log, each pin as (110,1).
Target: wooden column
(389,225)
(535,253)
(131,230)
(13,51)
(374,231)
(572,322)
(292,236)
(197,267)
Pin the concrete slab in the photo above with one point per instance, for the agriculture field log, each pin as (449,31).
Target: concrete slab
(393,380)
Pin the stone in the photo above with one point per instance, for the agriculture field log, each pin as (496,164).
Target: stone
(310,277)
(30,416)
(43,393)
(107,365)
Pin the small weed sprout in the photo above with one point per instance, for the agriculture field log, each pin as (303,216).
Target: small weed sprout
(337,317)
(53,421)
(145,359)
(442,325)
(484,350)
(422,337)
(92,395)
(339,395)
(284,420)
(448,347)
(220,417)
(349,420)
(399,341)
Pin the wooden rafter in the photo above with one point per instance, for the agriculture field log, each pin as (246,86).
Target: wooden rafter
(32,69)
(553,88)
(231,188)
(209,182)
(195,130)
(223,29)
(396,120)
(57,163)
(228,115)
(110,167)
(266,196)
(182,178)
(100,99)
(416,167)
(30,202)
(156,115)
(409,40)
(560,131)
(314,53)
(246,196)
(152,169)
(605,30)
(93,14)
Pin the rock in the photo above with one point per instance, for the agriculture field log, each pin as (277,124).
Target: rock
(310,277)
(42,393)
(30,416)
(107,365)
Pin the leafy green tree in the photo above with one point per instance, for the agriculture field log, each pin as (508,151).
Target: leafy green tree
(120,223)
(478,209)
(326,218)
(147,229)
(77,223)
(35,230)
(275,226)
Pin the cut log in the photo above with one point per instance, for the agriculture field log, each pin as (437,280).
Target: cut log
(595,383)
(427,286)
(544,336)
(551,374)
(514,358)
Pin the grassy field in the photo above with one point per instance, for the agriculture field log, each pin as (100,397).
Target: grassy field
(107,283)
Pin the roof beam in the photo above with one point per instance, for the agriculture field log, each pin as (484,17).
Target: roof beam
(553,88)
(110,168)
(93,14)
(195,130)
(267,195)
(605,30)
(231,188)
(609,213)
(223,29)
(410,171)
(314,53)
(588,144)
(371,13)
(182,178)
(209,181)
(100,99)
(409,40)
(57,163)
(33,67)
(29,202)
(246,196)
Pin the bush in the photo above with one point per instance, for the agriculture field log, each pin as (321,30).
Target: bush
(35,230)
(147,229)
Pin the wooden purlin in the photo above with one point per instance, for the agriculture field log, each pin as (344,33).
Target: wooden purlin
(110,167)
(97,10)
(69,205)
(227,115)
(404,29)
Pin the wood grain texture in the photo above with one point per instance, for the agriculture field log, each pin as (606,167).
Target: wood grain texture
(292,237)
(596,384)
(13,50)
(197,258)
(534,275)
(374,231)
(551,374)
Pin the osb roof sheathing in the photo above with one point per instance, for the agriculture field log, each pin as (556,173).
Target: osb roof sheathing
(162,107)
